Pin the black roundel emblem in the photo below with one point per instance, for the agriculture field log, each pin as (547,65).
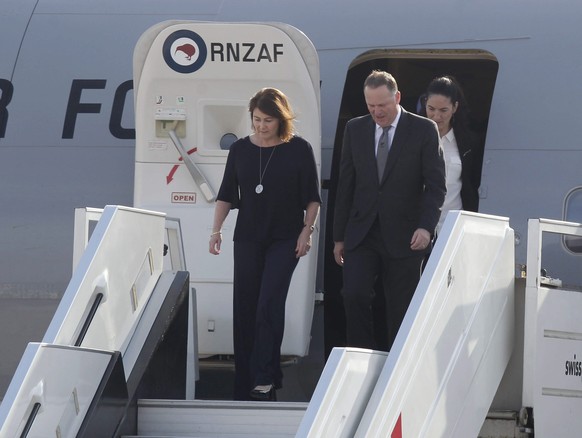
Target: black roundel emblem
(184,51)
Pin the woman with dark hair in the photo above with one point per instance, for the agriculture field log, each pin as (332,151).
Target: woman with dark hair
(446,105)
(271,178)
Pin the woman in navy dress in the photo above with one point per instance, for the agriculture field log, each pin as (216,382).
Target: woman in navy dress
(271,178)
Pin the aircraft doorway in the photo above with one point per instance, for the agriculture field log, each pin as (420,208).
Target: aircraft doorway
(476,72)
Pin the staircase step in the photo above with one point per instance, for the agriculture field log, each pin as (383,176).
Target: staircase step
(218,418)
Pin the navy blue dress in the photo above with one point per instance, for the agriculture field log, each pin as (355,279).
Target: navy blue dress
(265,237)
(289,183)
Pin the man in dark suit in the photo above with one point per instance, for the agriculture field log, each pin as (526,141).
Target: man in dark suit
(385,214)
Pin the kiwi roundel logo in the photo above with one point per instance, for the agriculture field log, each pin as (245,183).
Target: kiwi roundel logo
(184,51)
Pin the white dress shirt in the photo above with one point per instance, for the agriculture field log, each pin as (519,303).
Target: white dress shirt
(453,169)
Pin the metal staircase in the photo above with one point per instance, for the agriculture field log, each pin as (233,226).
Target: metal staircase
(125,370)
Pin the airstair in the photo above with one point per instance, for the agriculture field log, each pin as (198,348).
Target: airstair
(454,343)
(118,357)
(120,330)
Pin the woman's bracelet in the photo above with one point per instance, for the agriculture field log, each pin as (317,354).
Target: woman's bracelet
(215,233)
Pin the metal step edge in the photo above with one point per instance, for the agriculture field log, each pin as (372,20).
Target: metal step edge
(218,418)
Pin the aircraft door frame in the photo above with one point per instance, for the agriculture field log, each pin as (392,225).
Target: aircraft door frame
(192,84)
(476,70)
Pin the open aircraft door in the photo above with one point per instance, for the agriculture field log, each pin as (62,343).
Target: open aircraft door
(192,85)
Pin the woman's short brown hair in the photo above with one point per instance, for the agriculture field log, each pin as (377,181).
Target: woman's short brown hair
(274,103)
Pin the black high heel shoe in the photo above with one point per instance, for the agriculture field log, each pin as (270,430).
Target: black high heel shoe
(264,393)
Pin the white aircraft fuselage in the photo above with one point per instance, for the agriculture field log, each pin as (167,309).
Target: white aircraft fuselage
(67,131)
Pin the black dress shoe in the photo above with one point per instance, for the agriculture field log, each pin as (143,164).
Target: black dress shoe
(264,393)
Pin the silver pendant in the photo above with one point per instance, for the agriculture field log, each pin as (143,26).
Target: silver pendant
(259,188)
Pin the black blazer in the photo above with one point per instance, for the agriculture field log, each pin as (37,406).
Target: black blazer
(471,168)
(410,194)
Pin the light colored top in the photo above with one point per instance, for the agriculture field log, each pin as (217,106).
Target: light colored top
(453,169)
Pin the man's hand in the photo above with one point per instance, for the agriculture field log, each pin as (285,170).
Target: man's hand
(338,253)
(420,239)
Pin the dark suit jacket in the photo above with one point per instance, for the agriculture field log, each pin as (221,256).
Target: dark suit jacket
(410,194)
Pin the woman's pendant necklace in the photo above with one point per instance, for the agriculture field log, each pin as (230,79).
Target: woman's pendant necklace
(259,187)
